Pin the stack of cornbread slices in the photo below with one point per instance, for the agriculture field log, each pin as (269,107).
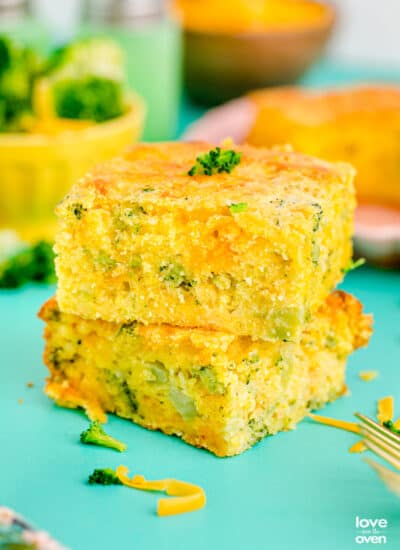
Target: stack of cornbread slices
(202,305)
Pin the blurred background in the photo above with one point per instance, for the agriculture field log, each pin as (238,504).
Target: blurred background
(359,21)
(82,79)
(367,32)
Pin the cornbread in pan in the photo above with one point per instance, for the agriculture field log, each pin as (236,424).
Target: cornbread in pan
(252,252)
(360,125)
(214,389)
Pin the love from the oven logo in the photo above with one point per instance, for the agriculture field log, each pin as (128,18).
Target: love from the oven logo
(371,530)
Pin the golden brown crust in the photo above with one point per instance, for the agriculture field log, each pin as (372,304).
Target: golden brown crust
(340,124)
(49,306)
(318,106)
(164,167)
(361,323)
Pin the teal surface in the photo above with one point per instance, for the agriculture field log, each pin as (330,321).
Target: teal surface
(299,490)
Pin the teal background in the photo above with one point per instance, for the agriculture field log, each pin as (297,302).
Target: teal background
(300,490)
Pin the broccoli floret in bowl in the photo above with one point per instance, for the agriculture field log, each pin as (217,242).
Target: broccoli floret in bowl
(89,98)
(87,80)
(19,66)
(89,56)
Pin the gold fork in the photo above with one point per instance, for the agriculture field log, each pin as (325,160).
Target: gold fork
(384,444)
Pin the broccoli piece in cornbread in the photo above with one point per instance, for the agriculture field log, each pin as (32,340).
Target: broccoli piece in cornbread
(104,476)
(253,249)
(95,435)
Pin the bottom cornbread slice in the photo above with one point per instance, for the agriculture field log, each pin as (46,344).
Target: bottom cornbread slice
(215,390)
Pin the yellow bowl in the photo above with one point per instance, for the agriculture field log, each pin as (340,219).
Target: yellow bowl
(37,170)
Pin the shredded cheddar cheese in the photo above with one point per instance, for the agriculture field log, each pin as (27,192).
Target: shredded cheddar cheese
(368,375)
(335,423)
(358,447)
(189,497)
(385,409)
(385,414)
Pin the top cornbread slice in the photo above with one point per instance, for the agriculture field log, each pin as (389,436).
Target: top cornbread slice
(252,252)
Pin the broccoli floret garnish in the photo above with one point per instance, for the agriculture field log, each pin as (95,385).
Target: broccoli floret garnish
(32,264)
(104,476)
(95,435)
(390,426)
(353,265)
(215,161)
(87,80)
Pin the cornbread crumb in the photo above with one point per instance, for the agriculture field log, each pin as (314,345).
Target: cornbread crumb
(358,447)
(346,391)
(30,384)
(20,401)
(368,375)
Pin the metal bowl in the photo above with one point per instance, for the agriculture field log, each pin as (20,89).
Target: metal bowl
(220,66)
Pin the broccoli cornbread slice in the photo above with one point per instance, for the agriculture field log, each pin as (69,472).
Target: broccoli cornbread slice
(251,252)
(214,389)
(338,124)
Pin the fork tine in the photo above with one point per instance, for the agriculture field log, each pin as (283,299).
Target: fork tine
(376,438)
(380,440)
(379,431)
(391,479)
(382,452)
